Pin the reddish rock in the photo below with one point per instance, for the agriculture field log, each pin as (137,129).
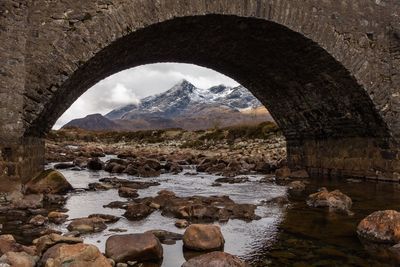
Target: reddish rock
(381,227)
(77,255)
(215,259)
(203,237)
(134,247)
(137,211)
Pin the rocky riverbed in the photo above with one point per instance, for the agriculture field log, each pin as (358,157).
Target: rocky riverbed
(163,204)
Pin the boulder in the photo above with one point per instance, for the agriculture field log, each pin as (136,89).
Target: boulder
(8,243)
(147,171)
(203,237)
(77,255)
(181,223)
(107,218)
(381,227)
(57,217)
(45,242)
(38,220)
(31,201)
(166,237)
(127,192)
(232,180)
(297,186)
(137,211)
(48,182)
(63,165)
(18,259)
(94,164)
(134,247)
(335,200)
(87,225)
(215,259)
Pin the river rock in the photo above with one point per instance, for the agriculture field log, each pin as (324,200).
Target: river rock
(63,165)
(38,220)
(87,225)
(18,259)
(57,217)
(134,247)
(8,243)
(335,200)
(137,211)
(48,182)
(297,186)
(77,255)
(203,237)
(166,237)
(127,192)
(107,218)
(94,164)
(232,180)
(381,227)
(45,242)
(100,186)
(147,171)
(215,259)
(181,223)
(31,201)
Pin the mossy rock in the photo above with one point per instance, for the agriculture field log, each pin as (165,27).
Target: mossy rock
(48,182)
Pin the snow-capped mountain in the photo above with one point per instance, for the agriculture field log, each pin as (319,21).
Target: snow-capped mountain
(184,106)
(185,97)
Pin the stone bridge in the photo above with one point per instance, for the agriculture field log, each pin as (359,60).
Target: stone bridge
(328,70)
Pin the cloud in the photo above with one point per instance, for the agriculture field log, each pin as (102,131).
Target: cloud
(129,86)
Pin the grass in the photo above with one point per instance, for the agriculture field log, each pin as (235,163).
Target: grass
(259,131)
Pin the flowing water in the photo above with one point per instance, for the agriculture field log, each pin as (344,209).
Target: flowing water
(242,238)
(296,235)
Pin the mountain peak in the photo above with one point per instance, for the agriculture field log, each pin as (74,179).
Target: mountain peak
(185,85)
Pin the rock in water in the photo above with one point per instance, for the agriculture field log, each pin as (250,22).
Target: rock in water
(137,211)
(57,217)
(215,259)
(381,227)
(77,255)
(87,225)
(95,164)
(335,200)
(18,259)
(297,186)
(127,192)
(45,242)
(134,247)
(203,237)
(48,182)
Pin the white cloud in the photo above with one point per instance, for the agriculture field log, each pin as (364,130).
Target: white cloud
(131,85)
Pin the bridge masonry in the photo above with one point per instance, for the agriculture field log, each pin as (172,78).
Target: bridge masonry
(48,48)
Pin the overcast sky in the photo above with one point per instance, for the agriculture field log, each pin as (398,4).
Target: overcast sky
(131,85)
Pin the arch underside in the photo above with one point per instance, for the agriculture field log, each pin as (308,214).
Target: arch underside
(309,94)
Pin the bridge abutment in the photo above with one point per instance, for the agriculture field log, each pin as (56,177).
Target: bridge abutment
(19,161)
(371,158)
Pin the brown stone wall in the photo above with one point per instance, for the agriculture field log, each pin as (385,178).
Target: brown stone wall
(369,158)
(19,161)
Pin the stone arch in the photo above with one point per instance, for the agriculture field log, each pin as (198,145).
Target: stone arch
(330,66)
(307,91)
